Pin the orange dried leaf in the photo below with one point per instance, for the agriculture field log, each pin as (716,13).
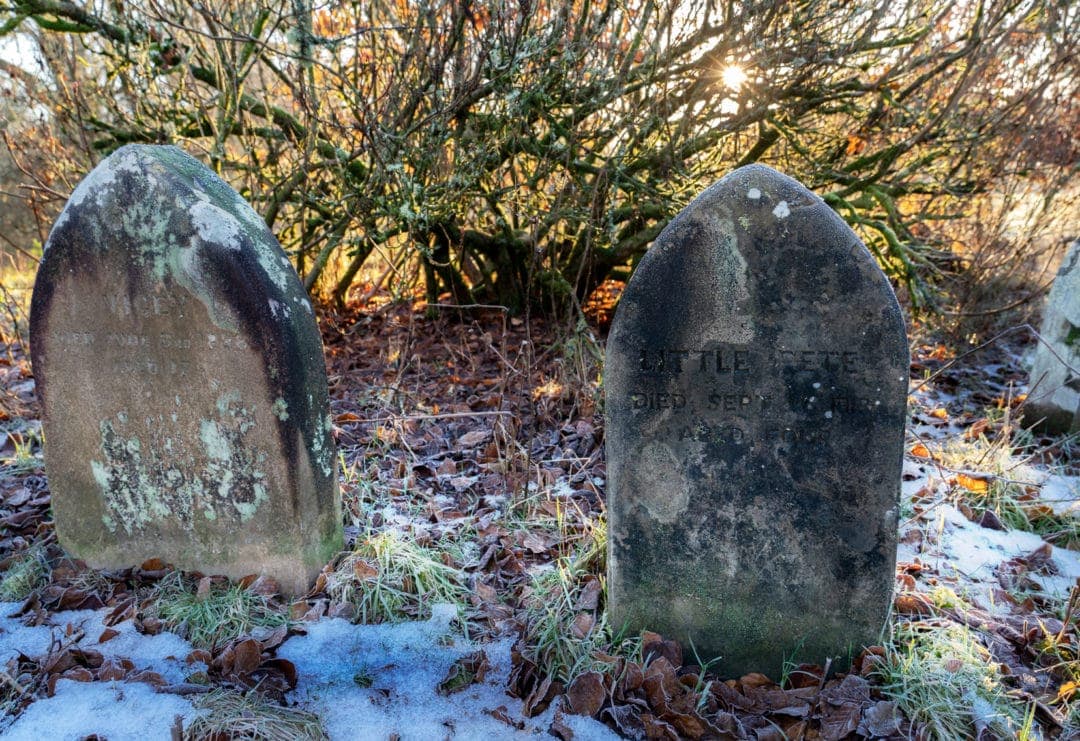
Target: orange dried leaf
(974,484)
(1067,690)
(921,451)
(940,413)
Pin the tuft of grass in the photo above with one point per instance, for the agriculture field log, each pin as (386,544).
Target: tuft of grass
(25,572)
(221,614)
(24,460)
(1010,489)
(389,578)
(945,598)
(228,714)
(552,638)
(943,677)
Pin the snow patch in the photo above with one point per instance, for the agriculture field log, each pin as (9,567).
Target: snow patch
(163,653)
(118,711)
(403,664)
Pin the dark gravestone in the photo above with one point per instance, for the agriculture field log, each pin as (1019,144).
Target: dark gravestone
(1054,392)
(181,371)
(756,383)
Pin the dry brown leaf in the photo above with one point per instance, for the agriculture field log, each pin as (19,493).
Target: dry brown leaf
(909,604)
(559,729)
(754,680)
(110,671)
(587,694)
(107,635)
(469,669)
(589,597)
(977,429)
(473,438)
(364,571)
(583,624)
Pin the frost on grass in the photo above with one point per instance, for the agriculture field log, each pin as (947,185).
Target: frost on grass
(390,577)
(212,614)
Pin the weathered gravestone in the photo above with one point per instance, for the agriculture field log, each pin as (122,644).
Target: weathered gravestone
(756,383)
(1054,396)
(182,378)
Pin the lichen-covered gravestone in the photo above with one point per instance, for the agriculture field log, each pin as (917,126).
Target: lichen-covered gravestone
(181,372)
(756,382)
(1054,397)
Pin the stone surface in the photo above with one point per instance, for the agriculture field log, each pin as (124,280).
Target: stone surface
(181,373)
(1054,390)
(756,387)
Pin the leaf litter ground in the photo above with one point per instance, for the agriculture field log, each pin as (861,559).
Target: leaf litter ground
(473,478)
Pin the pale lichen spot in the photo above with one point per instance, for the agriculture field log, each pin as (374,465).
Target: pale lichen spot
(215,225)
(226,399)
(753,194)
(214,442)
(280,409)
(828,415)
(782,211)
(278,310)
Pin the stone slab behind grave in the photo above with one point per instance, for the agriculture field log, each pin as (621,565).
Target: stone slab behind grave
(181,372)
(1054,391)
(756,388)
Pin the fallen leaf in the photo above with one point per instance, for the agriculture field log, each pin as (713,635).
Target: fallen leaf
(975,483)
(908,604)
(583,624)
(589,597)
(586,694)
(1067,690)
(364,571)
(754,680)
(882,719)
(110,671)
(473,438)
(559,729)
(626,719)
(921,451)
(469,669)
(107,635)
(653,644)
(977,429)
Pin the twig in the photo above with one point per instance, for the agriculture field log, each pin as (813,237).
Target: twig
(471,306)
(448,415)
(989,342)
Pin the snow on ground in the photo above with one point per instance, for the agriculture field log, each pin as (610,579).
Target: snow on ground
(404,664)
(118,711)
(967,555)
(366,681)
